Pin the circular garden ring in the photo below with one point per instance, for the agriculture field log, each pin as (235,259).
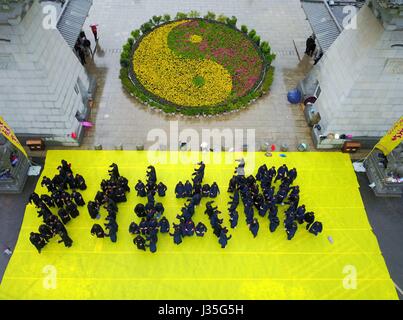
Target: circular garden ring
(196,66)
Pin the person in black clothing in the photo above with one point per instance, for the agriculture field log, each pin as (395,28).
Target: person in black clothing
(214,190)
(64,215)
(254,227)
(291,229)
(35,199)
(141,189)
(200,229)
(80,182)
(140,242)
(315,228)
(57,199)
(151,175)
(233,218)
(48,183)
(161,189)
(48,200)
(97,231)
(232,184)
(72,210)
(134,228)
(163,225)
(177,235)
(78,198)
(205,190)
(70,180)
(114,172)
(140,210)
(37,241)
(68,242)
(223,239)
(112,226)
(93,209)
(309,218)
(46,232)
(180,190)
(310,46)
(44,211)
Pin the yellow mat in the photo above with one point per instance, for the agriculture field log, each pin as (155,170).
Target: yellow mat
(267,267)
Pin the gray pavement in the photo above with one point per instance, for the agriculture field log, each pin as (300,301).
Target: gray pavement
(119,118)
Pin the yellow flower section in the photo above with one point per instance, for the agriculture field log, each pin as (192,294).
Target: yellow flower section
(195,38)
(170,77)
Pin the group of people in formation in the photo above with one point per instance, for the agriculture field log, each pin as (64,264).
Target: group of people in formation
(113,191)
(60,198)
(258,194)
(267,202)
(152,221)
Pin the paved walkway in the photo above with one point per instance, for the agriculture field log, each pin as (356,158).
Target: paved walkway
(120,118)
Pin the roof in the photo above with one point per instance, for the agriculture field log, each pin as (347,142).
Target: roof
(326,20)
(72,19)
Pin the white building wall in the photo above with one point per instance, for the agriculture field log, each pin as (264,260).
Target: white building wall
(359,96)
(37,93)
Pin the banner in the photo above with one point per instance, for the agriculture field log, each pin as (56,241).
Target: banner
(392,139)
(6,131)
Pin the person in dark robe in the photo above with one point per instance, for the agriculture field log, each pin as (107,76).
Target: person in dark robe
(134,228)
(161,189)
(64,215)
(315,228)
(80,182)
(214,190)
(163,224)
(72,210)
(234,216)
(78,198)
(46,232)
(93,209)
(97,231)
(68,242)
(140,242)
(200,229)
(48,200)
(254,227)
(37,241)
(223,239)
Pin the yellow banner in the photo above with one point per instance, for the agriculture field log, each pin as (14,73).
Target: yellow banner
(6,131)
(392,139)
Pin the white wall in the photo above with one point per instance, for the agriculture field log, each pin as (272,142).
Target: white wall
(359,95)
(37,91)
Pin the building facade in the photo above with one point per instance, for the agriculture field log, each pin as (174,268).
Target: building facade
(361,75)
(44,89)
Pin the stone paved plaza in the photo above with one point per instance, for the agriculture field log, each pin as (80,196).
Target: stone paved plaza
(120,119)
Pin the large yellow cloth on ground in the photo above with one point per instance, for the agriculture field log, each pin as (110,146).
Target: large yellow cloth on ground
(267,267)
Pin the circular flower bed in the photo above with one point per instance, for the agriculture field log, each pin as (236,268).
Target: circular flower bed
(196,65)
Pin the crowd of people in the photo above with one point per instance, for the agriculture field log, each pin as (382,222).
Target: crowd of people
(194,193)
(113,191)
(59,197)
(151,214)
(264,193)
(267,202)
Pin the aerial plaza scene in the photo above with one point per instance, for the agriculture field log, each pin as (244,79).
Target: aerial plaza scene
(232,150)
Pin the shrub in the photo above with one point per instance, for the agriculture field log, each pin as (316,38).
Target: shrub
(252,33)
(146,27)
(181,15)
(244,29)
(256,39)
(166,18)
(157,20)
(136,34)
(130,41)
(231,21)
(210,15)
(194,14)
(222,18)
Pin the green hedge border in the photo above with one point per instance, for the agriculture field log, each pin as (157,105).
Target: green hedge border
(145,97)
